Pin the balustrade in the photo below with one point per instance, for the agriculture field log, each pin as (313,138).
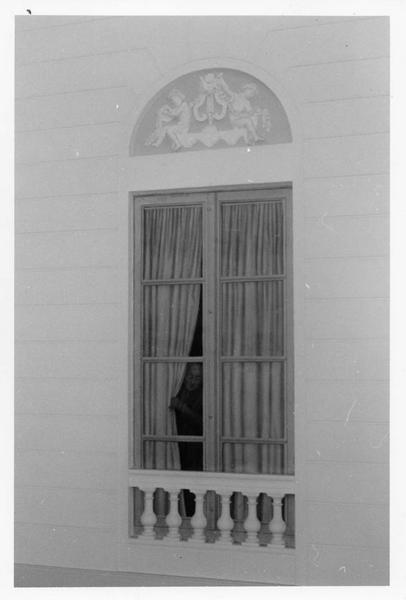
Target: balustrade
(174,519)
(231,516)
(148,517)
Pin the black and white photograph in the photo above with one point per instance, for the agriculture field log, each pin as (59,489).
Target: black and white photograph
(201,380)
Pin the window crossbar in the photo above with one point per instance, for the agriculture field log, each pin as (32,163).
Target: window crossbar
(250,440)
(248,278)
(226,359)
(173,438)
(162,359)
(172,281)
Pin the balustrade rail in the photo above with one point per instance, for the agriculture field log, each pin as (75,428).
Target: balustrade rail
(220,508)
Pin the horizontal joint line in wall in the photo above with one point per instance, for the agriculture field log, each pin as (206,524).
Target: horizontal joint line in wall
(348,379)
(66,452)
(337,62)
(65,525)
(355,175)
(64,160)
(30,304)
(346,99)
(59,196)
(386,548)
(377,338)
(80,56)
(66,414)
(69,268)
(104,491)
(346,502)
(74,126)
(74,22)
(67,340)
(71,92)
(346,215)
(323,24)
(64,377)
(72,230)
(346,257)
(333,298)
(350,461)
(345,135)
(351,420)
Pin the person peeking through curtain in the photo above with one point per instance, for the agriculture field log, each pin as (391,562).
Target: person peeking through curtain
(188,406)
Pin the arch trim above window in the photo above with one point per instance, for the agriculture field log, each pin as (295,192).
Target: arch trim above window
(214,107)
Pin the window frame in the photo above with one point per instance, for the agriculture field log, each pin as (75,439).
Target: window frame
(210,199)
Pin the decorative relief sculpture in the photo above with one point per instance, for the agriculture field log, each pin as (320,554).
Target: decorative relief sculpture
(216,114)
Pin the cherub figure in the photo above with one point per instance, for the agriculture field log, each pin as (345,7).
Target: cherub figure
(172,121)
(242,114)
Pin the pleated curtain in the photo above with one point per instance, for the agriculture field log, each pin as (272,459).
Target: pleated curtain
(252,316)
(252,326)
(172,250)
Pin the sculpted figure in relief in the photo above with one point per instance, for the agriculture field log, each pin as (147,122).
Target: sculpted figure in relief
(172,121)
(242,113)
(215,103)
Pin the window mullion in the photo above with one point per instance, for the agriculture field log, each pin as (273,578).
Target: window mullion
(209,336)
(136,411)
(288,316)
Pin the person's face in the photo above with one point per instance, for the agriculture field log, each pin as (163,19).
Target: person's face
(193,378)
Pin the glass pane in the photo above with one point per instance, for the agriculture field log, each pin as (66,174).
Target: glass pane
(171,319)
(252,239)
(172,242)
(173,399)
(253,458)
(252,318)
(253,400)
(159,455)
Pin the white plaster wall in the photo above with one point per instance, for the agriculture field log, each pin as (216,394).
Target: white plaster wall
(77,81)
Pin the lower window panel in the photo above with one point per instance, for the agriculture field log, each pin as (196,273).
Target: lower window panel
(253,458)
(173,456)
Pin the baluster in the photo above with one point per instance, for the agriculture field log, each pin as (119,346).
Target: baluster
(225,522)
(198,521)
(148,517)
(173,520)
(277,526)
(252,524)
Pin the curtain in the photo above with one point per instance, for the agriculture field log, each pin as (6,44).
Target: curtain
(252,326)
(172,250)
(252,314)
(252,239)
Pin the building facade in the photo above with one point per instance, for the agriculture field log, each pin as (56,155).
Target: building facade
(118,116)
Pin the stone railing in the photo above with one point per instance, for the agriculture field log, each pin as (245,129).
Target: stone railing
(221,508)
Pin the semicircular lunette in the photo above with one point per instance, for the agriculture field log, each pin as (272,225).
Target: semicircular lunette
(210,108)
